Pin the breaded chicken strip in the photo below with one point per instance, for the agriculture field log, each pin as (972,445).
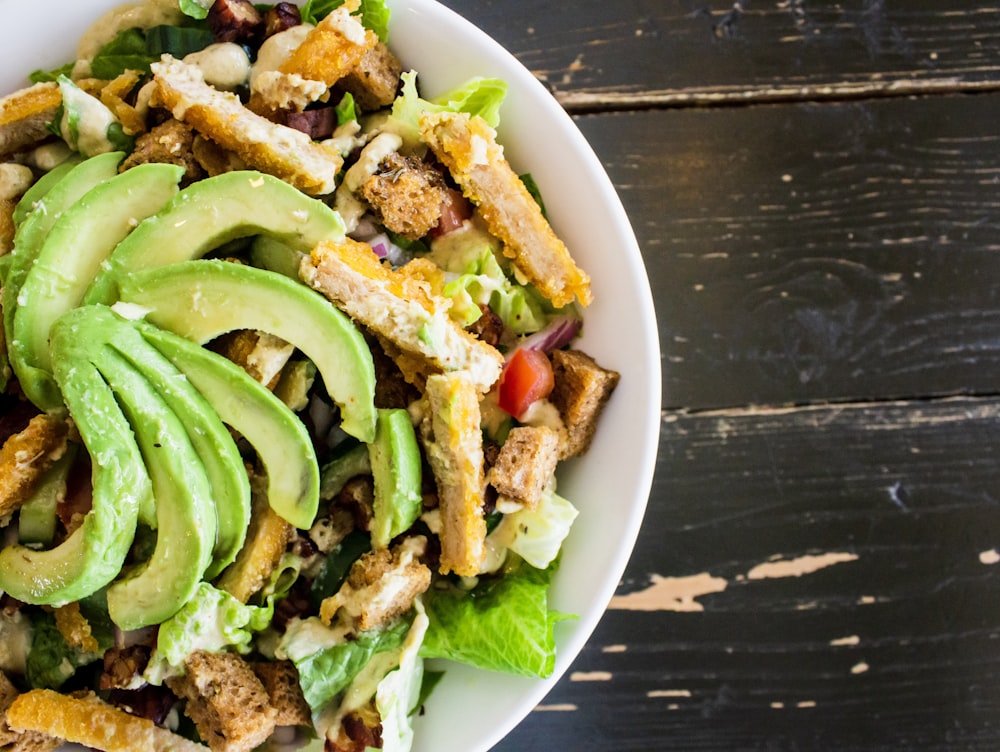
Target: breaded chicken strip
(467,146)
(269,147)
(400,309)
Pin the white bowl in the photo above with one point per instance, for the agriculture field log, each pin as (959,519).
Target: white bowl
(472,710)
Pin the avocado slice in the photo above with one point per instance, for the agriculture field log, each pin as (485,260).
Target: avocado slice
(396,469)
(202,299)
(93,555)
(41,187)
(76,246)
(36,520)
(281,440)
(31,233)
(214,445)
(186,518)
(214,211)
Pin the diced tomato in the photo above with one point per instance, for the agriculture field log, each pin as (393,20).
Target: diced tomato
(455,209)
(526,378)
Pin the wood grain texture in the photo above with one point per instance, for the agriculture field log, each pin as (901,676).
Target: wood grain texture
(811,252)
(817,578)
(644,53)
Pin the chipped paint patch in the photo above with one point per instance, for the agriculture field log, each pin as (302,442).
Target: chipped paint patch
(614,648)
(670,594)
(668,693)
(800,566)
(806,704)
(990,556)
(777,705)
(859,668)
(866,600)
(566,707)
(590,676)
(850,640)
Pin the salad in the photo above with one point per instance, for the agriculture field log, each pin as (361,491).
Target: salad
(289,367)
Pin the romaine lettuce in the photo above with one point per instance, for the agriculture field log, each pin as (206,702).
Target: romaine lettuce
(477,96)
(503,624)
(536,535)
(374,14)
(328,663)
(398,694)
(212,620)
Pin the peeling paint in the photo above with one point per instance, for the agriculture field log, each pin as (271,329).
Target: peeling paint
(590,676)
(806,704)
(669,693)
(850,640)
(670,594)
(614,648)
(800,566)
(777,705)
(859,668)
(990,556)
(566,707)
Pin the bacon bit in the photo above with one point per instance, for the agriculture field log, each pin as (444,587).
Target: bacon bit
(235,21)
(281,17)
(318,123)
(455,209)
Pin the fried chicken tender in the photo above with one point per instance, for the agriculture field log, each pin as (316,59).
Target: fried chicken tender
(26,456)
(467,146)
(276,149)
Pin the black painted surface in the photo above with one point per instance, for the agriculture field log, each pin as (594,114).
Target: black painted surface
(818,568)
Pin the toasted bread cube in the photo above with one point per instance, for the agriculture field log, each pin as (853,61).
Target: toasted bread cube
(90,721)
(406,195)
(581,390)
(467,146)
(454,444)
(380,586)
(25,116)
(219,115)
(525,464)
(170,142)
(225,699)
(281,682)
(26,456)
(374,81)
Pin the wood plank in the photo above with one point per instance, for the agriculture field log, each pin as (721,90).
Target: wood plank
(815,252)
(683,52)
(801,571)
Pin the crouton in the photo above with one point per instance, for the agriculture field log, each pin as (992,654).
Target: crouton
(280,680)
(399,309)
(26,456)
(25,116)
(170,142)
(88,720)
(260,354)
(333,48)
(453,441)
(380,586)
(467,147)
(75,628)
(7,228)
(267,538)
(525,464)
(16,741)
(406,195)
(225,699)
(269,147)
(581,390)
(374,81)
(213,159)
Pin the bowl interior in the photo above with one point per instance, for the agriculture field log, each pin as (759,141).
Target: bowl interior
(472,710)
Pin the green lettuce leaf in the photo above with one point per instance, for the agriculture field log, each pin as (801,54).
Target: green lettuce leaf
(536,535)
(212,620)
(503,624)
(398,694)
(477,96)
(51,660)
(197,9)
(328,664)
(473,260)
(374,14)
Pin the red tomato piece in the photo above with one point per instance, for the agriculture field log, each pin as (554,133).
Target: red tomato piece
(526,378)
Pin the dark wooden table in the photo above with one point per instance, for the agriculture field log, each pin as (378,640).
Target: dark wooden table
(815,186)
